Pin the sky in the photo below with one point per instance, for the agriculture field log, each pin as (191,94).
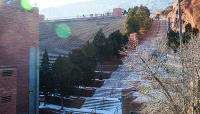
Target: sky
(53,9)
(43,4)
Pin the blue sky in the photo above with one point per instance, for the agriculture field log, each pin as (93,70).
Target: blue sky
(74,8)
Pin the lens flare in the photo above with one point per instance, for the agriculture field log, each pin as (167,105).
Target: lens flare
(63,31)
(26,5)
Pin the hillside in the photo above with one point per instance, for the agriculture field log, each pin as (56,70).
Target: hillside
(101,6)
(82,30)
(190,10)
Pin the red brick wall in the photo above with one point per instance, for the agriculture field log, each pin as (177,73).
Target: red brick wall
(8,87)
(19,31)
(133,40)
(118,11)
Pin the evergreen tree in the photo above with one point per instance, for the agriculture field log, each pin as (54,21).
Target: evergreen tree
(65,81)
(138,19)
(89,51)
(125,39)
(100,43)
(132,25)
(78,59)
(116,39)
(109,49)
(61,70)
(173,40)
(46,79)
(82,63)
(125,13)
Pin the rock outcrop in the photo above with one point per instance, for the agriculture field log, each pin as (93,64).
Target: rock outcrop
(190,13)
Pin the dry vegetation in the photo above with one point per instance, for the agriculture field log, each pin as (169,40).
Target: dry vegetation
(174,88)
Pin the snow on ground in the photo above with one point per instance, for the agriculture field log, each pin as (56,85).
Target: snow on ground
(76,111)
(106,99)
(125,76)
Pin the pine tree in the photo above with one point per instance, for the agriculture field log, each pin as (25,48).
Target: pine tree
(46,79)
(100,43)
(65,82)
(84,66)
(116,39)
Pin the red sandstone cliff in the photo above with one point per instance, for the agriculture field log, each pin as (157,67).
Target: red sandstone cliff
(190,13)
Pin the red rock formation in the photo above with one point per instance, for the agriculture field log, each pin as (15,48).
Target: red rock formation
(190,13)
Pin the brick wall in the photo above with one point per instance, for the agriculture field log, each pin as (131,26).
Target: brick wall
(118,12)
(8,90)
(133,40)
(19,31)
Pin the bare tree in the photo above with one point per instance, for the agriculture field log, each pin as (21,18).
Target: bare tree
(173,79)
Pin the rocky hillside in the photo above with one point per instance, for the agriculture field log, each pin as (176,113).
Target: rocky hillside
(190,10)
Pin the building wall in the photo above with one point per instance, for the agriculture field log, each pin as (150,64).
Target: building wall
(8,90)
(118,12)
(19,31)
(133,40)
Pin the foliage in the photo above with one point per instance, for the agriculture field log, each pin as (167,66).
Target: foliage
(100,44)
(89,51)
(46,83)
(174,40)
(78,69)
(46,78)
(116,42)
(125,39)
(106,48)
(167,10)
(138,19)
(84,66)
(132,26)
(189,32)
(125,13)
(176,80)
(62,69)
